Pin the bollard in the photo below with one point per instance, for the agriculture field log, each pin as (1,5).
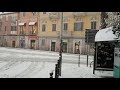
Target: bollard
(56,71)
(51,75)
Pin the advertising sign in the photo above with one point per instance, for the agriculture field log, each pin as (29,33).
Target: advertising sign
(104,56)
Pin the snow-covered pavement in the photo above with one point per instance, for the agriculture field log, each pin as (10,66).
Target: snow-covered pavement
(26,63)
(8,54)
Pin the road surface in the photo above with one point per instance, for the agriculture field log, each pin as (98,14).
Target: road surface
(17,54)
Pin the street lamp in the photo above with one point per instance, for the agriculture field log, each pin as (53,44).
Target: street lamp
(60,53)
(79,54)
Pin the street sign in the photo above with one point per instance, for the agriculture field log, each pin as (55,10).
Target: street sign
(90,35)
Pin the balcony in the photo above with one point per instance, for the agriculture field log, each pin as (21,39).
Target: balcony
(22,33)
(33,33)
(78,14)
(13,32)
(54,15)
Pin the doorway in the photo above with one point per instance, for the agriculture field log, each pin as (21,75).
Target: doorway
(77,49)
(22,43)
(53,46)
(32,46)
(65,47)
(13,43)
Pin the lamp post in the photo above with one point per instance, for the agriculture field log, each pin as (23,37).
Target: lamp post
(60,53)
(79,54)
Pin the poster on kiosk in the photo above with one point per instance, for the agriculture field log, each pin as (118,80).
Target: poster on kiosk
(117,62)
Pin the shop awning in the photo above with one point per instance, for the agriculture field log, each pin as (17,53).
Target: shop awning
(105,35)
(32,23)
(21,24)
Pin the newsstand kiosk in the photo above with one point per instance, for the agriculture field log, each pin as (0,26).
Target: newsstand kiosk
(105,45)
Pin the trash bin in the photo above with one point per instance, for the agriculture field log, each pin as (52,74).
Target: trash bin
(116,71)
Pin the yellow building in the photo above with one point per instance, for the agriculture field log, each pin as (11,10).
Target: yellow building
(74,26)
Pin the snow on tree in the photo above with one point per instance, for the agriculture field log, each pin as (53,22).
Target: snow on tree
(113,19)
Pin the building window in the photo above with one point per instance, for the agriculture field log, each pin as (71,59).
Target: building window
(13,19)
(44,12)
(43,41)
(5,28)
(33,30)
(65,26)
(13,28)
(43,27)
(93,25)
(22,30)
(23,14)
(6,18)
(78,26)
(34,13)
(53,27)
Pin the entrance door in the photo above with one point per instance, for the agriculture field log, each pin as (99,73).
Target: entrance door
(13,43)
(77,48)
(53,46)
(22,43)
(65,47)
(32,44)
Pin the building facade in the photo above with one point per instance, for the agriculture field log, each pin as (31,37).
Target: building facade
(41,30)
(8,29)
(28,30)
(74,26)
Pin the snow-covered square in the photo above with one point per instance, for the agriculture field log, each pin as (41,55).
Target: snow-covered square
(26,63)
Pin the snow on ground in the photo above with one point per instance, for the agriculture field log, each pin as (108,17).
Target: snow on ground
(7,54)
(42,70)
(25,63)
(39,52)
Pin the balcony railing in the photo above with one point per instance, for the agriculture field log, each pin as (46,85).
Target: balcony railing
(13,32)
(32,33)
(54,15)
(22,33)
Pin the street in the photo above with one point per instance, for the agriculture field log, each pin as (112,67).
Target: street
(8,54)
(26,63)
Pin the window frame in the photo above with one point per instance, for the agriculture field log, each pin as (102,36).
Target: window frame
(44,12)
(80,24)
(65,26)
(54,27)
(43,29)
(93,24)
(15,27)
